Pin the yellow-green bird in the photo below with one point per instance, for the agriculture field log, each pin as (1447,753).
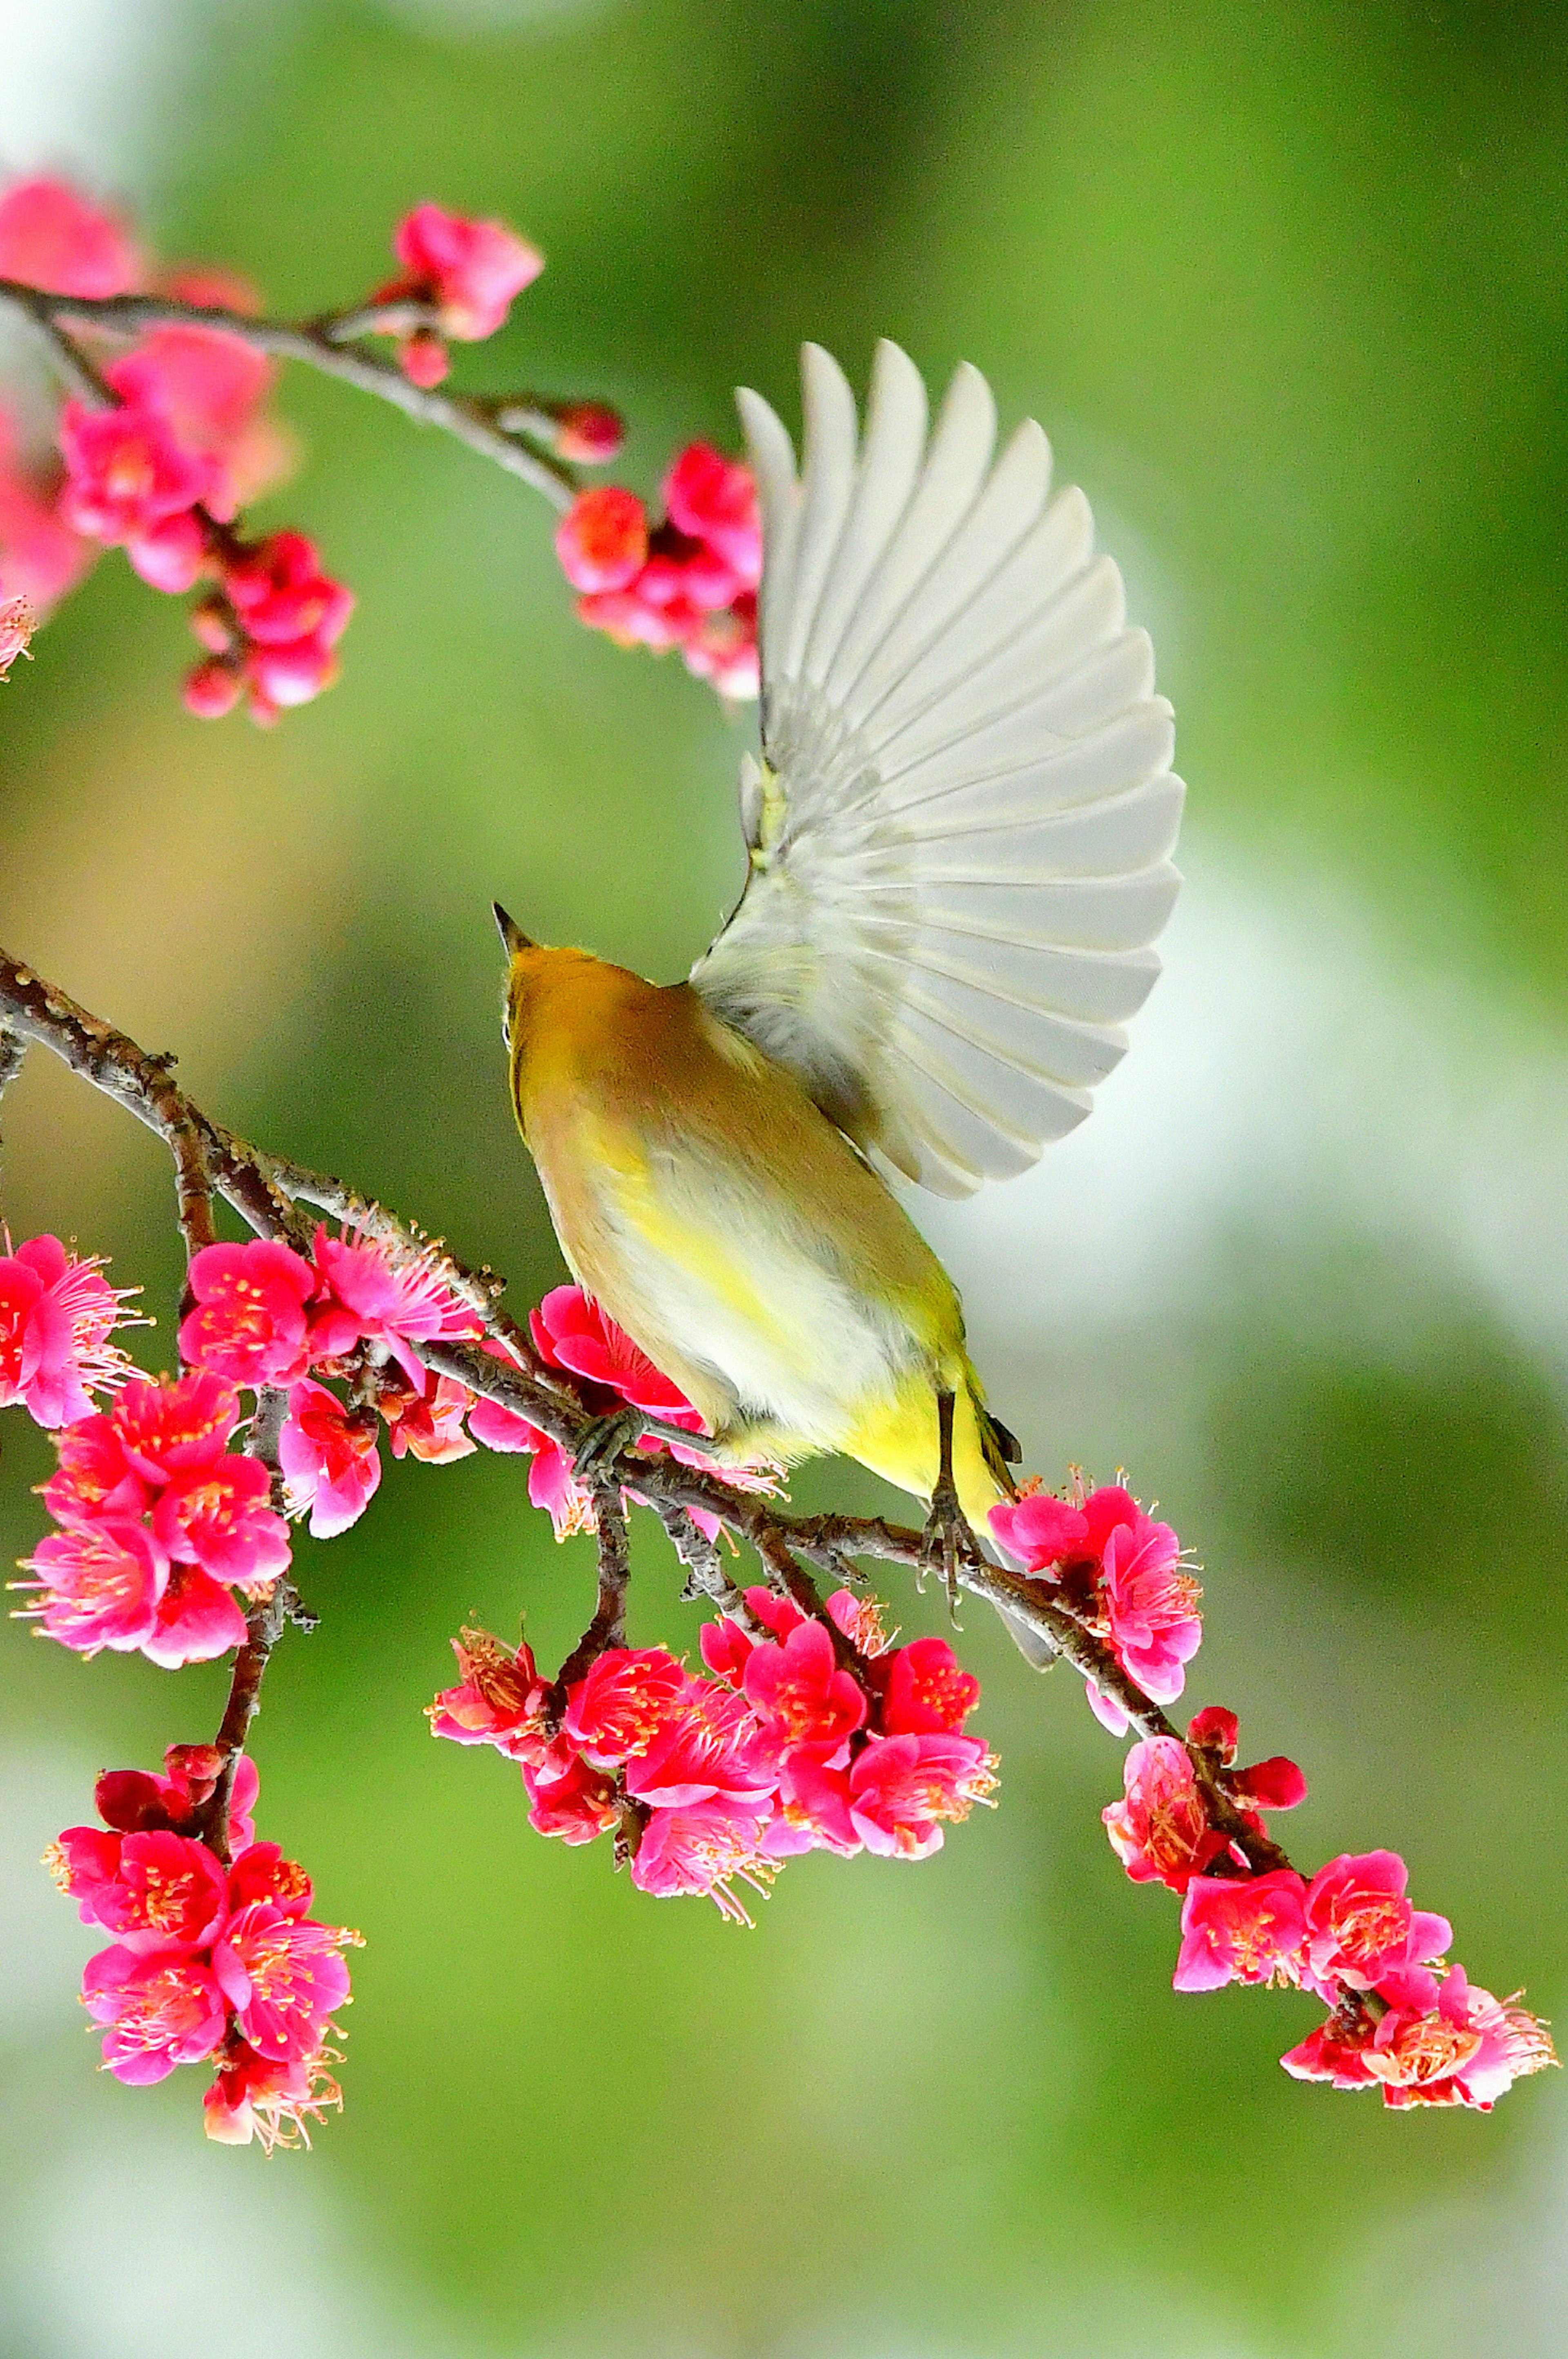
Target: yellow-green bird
(959,831)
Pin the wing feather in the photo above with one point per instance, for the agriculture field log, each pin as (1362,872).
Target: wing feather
(962,831)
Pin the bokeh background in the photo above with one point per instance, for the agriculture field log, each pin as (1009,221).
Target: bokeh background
(1286,284)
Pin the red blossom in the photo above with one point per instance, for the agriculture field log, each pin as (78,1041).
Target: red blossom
(577,1806)
(161,2011)
(329,1459)
(249,1321)
(624,1701)
(57,1314)
(268,2100)
(705,1747)
(498,1701)
(1242,1928)
(426,1422)
(134,1801)
(811,1811)
(163,1891)
(804,1703)
(713,499)
(469,269)
(1456,2045)
(53,238)
(901,1788)
(602,541)
(1161,1830)
(588,434)
(40,557)
(211,388)
(925,1692)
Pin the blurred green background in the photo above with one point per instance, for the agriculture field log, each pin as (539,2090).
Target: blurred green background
(1286,284)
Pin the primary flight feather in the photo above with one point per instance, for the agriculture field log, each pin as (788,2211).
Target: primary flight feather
(959,831)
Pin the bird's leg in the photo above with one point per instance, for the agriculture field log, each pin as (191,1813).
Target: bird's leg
(607,1437)
(948,1537)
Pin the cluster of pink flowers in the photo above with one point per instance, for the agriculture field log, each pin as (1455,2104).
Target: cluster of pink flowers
(160,1522)
(467,271)
(1118,1572)
(1402,2020)
(214,1959)
(689,582)
(57,1314)
(713,1781)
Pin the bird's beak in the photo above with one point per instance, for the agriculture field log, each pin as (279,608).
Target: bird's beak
(513,937)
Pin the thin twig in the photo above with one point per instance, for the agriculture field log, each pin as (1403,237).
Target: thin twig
(326,345)
(608,1627)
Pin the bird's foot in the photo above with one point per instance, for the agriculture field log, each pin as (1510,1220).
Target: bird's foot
(608,1436)
(948,1541)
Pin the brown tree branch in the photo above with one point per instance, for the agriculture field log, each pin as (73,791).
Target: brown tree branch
(492,427)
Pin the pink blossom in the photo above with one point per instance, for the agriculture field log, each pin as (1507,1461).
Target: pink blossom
(713,499)
(1160,1831)
(267,2099)
(260,1872)
(211,388)
(902,1786)
(500,1701)
(804,1703)
(1150,1606)
(602,541)
(706,1849)
(375,1293)
(424,358)
(1360,1927)
(98,1586)
(197,1620)
(469,269)
(249,1321)
(811,1811)
(576,1806)
(553,1478)
(723,650)
(570,1332)
(170,555)
(176,1426)
(1242,1928)
(165,1892)
(624,1702)
(40,557)
(705,1747)
(57,1315)
(588,434)
(18,621)
(283,1976)
(125,471)
(52,238)
(1040,1531)
(329,1458)
(1453,2046)
(211,688)
(284,599)
(425,1421)
(162,2010)
(220,1519)
(925,1692)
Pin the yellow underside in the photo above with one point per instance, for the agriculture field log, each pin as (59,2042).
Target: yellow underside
(896,1438)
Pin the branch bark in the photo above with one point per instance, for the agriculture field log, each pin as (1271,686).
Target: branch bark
(489,426)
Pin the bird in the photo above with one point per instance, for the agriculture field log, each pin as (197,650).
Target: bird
(959,829)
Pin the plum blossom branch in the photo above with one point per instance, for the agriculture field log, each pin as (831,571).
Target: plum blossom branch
(812,1731)
(494,430)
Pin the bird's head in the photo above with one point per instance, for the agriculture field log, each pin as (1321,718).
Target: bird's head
(517,945)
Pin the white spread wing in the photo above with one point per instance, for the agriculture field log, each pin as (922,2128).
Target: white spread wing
(962,824)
